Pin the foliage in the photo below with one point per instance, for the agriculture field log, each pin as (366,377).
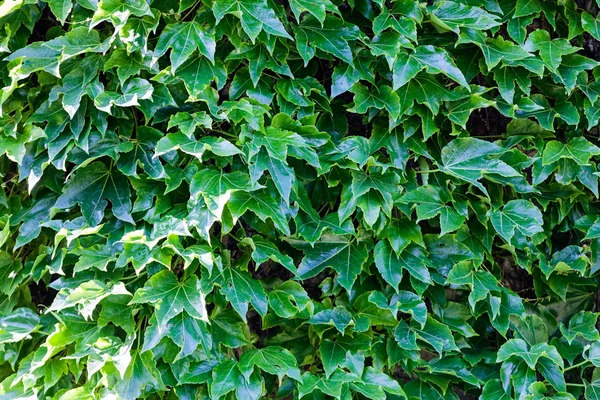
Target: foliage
(299,199)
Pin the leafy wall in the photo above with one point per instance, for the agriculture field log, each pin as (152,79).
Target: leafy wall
(299,199)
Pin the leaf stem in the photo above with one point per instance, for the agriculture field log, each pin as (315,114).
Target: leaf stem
(427,171)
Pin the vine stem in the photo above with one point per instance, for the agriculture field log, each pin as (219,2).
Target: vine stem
(575,366)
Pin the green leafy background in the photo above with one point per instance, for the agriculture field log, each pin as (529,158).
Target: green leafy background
(359,199)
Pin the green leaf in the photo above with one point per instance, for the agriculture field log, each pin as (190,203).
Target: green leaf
(378,98)
(551,51)
(170,297)
(317,9)
(331,385)
(471,159)
(345,256)
(581,324)
(179,141)
(335,353)
(91,187)
(255,16)
(578,149)
(18,325)
(61,8)
(140,375)
(590,24)
(430,201)
(187,123)
(338,317)
(518,219)
(241,289)
(453,16)
(391,265)
(437,335)
(183,39)
(527,7)
(497,50)
(433,59)
(592,390)
(332,36)
(481,283)
(493,390)
(375,383)
(262,205)
(224,376)
(14,148)
(288,299)
(274,360)
(519,348)
(264,250)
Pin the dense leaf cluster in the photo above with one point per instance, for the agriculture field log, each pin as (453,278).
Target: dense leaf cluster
(361,199)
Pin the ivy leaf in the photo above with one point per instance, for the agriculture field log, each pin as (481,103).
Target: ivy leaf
(390,265)
(183,39)
(331,385)
(264,206)
(493,390)
(378,98)
(127,65)
(581,324)
(118,12)
(433,59)
(430,201)
(331,36)
(61,8)
(171,297)
(288,299)
(91,187)
(241,289)
(518,218)
(519,348)
(225,375)
(590,24)
(282,174)
(264,250)
(527,7)
(18,325)
(497,50)
(318,9)
(424,89)
(577,149)
(261,58)
(551,51)
(344,255)
(141,153)
(187,123)
(335,353)
(401,232)
(453,16)
(14,148)
(197,73)
(437,335)
(482,283)
(274,360)
(180,141)
(255,16)
(140,375)
(471,159)
(376,383)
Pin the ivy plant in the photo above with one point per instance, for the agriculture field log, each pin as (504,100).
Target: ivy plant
(293,199)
